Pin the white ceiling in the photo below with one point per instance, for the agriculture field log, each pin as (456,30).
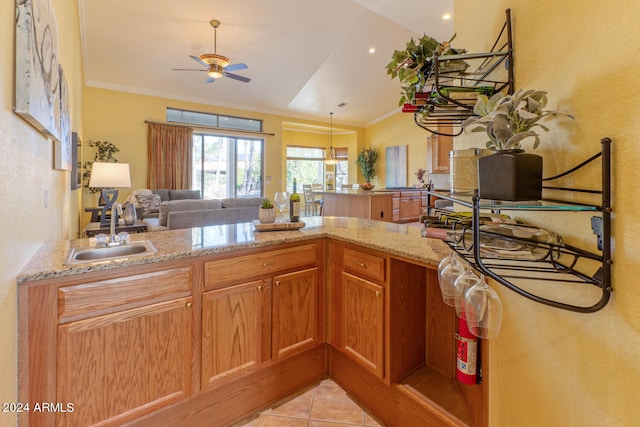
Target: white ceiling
(304,57)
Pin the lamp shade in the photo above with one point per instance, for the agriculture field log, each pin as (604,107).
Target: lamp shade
(110,175)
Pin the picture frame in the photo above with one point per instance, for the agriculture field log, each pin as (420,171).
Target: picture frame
(76,161)
(63,146)
(37,95)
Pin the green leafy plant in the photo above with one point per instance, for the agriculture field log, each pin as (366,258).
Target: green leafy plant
(510,119)
(105,151)
(412,65)
(266,204)
(367,158)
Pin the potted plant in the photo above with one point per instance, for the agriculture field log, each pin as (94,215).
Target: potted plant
(105,151)
(267,213)
(508,120)
(413,65)
(367,158)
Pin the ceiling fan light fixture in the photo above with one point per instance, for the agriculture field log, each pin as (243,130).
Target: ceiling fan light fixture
(214,59)
(215,71)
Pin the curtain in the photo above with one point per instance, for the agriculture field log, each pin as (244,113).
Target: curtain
(169,156)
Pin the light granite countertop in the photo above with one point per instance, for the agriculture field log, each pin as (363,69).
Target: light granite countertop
(403,240)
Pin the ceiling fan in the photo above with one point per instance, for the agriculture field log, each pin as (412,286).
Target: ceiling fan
(217,66)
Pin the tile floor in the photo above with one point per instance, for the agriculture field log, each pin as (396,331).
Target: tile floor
(323,404)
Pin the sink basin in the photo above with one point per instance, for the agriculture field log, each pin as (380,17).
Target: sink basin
(93,254)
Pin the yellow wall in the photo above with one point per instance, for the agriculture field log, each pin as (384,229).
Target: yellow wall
(26,173)
(398,129)
(550,367)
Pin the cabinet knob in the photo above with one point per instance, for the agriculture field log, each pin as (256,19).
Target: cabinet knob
(377,294)
(359,264)
(277,282)
(259,287)
(189,304)
(267,264)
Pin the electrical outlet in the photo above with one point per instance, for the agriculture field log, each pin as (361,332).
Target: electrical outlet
(46,198)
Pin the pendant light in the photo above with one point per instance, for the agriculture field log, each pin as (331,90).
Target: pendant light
(331,158)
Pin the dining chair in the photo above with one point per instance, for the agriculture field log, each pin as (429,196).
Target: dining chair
(317,192)
(309,201)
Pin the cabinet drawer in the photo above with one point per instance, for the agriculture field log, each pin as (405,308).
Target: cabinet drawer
(97,296)
(221,272)
(411,194)
(363,264)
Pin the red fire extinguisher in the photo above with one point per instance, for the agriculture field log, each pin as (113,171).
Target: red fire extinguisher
(467,354)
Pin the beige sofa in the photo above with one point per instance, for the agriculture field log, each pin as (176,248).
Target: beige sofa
(190,213)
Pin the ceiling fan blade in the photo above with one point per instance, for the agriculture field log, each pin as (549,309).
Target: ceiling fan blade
(210,80)
(186,69)
(237,77)
(199,61)
(236,67)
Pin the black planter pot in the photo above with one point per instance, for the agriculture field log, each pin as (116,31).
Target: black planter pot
(511,175)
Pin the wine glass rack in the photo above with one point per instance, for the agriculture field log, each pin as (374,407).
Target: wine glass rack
(558,262)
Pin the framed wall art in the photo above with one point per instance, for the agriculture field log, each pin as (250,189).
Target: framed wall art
(63,145)
(37,95)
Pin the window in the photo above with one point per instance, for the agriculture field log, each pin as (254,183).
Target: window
(342,167)
(306,164)
(215,120)
(225,166)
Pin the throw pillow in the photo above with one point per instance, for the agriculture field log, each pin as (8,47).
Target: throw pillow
(150,204)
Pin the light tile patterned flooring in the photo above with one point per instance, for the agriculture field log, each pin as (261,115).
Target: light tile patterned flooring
(324,404)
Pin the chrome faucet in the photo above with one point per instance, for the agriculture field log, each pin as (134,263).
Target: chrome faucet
(116,210)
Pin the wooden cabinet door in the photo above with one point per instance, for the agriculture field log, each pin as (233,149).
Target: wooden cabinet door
(410,208)
(295,313)
(231,331)
(117,367)
(363,322)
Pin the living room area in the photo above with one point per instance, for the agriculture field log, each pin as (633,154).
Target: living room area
(260,169)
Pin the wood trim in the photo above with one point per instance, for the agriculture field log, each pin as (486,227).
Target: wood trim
(390,404)
(222,406)
(204,127)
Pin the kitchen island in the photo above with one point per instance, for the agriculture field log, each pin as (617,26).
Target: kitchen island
(222,321)
(391,205)
(358,203)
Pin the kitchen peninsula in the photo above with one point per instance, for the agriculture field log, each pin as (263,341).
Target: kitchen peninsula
(391,205)
(222,321)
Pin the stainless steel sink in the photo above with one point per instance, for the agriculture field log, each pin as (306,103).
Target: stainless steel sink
(93,254)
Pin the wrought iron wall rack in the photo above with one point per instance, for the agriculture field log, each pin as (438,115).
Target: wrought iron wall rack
(559,264)
(456,80)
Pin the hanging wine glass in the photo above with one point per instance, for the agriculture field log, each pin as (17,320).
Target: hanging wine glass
(483,310)
(446,261)
(446,279)
(462,284)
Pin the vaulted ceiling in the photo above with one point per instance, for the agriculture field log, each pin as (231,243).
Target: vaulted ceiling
(304,57)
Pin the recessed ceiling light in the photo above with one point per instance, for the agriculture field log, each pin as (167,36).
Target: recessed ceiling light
(372,50)
(446,16)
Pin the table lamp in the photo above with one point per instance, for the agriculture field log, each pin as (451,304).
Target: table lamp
(108,176)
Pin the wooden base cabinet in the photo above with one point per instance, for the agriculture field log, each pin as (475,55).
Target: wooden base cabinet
(247,324)
(118,367)
(363,325)
(295,316)
(410,206)
(231,331)
(209,340)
